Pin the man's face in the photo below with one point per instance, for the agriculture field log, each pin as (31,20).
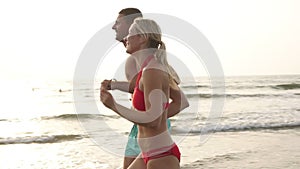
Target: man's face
(121,27)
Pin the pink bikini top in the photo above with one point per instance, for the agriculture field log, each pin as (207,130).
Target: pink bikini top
(138,100)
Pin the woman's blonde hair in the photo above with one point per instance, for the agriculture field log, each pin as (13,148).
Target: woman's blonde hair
(150,29)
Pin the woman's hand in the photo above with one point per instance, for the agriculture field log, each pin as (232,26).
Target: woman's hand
(107,99)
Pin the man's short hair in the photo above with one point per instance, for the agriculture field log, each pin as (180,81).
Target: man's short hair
(132,13)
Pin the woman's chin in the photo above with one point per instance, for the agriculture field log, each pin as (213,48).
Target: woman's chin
(129,51)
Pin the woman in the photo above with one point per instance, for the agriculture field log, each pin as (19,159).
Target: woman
(150,98)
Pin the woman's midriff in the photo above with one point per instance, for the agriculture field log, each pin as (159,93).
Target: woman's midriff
(149,140)
(146,131)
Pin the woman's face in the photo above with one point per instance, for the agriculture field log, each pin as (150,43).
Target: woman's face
(133,41)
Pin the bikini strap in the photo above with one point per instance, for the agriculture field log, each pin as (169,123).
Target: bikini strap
(147,60)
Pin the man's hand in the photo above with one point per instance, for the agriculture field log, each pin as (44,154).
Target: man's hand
(106,84)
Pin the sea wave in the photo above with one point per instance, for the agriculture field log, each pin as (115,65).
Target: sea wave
(236,128)
(65,117)
(284,86)
(202,95)
(42,139)
(288,86)
(79,116)
(194,86)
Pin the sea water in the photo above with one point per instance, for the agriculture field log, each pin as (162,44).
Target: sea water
(41,128)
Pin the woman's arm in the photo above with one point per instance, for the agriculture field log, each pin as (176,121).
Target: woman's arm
(179,100)
(154,99)
(143,118)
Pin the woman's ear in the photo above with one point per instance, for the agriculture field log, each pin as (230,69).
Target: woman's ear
(143,39)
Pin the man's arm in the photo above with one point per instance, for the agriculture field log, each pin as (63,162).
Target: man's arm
(124,86)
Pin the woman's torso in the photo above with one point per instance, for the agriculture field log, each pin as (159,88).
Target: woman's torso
(139,100)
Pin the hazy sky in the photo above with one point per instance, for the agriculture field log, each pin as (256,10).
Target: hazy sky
(251,37)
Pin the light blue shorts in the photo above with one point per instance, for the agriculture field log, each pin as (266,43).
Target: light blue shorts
(132,147)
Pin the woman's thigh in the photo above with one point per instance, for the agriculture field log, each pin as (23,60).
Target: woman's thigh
(170,162)
(127,162)
(138,163)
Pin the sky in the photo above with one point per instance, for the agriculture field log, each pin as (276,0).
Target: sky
(44,39)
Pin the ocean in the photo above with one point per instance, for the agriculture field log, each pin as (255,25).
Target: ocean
(258,127)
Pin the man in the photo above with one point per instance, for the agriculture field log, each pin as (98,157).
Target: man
(179,102)
(123,22)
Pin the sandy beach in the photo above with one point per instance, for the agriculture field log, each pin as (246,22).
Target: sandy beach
(255,149)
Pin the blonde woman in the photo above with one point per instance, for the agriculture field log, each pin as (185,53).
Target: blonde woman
(150,98)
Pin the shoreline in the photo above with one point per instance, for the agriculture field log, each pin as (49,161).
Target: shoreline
(274,149)
(250,149)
